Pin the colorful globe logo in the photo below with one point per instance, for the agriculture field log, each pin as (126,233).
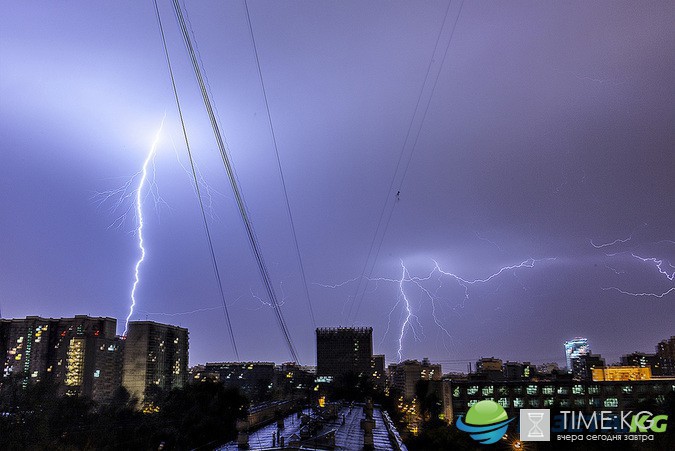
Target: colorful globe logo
(486,422)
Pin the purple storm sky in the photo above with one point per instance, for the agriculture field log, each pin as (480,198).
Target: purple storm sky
(548,135)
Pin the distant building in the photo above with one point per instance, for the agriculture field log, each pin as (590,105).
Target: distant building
(291,379)
(253,378)
(518,370)
(489,368)
(405,375)
(575,348)
(155,355)
(342,351)
(622,373)
(583,366)
(644,360)
(665,350)
(81,355)
(548,368)
(379,374)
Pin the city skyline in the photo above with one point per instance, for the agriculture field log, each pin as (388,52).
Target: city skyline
(517,160)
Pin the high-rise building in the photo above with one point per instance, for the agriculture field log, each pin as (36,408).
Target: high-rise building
(583,366)
(405,375)
(154,355)
(665,350)
(342,351)
(574,348)
(81,355)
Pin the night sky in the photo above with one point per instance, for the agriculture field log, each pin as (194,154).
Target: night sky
(533,133)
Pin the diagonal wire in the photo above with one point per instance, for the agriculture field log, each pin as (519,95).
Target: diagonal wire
(363,278)
(214,261)
(253,241)
(281,172)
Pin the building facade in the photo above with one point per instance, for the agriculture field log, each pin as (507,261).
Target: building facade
(405,375)
(558,394)
(80,355)
(583,366)
(665,350)
(154,355)
(342,351)
(574,348)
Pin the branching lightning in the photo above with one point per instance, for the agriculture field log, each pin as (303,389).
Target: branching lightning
(659,265)
(664,267)
(409,318)
(139,218)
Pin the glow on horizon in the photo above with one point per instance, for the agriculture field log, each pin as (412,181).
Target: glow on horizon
(139,228)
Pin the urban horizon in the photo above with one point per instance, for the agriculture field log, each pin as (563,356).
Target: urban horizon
(450,365)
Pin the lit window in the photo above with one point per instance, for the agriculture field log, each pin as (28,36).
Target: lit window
(578,390)
(504,402)
(518,402)
(487,391)
(97,373)
(472,390)
(531,389)
(548,402)
(611,402)
(547,390)
(593,390)
(563,390)
(533,402)
(627,389)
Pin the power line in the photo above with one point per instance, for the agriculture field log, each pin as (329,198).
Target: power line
(255,247)
(405,170)
(281,172)
(214,261)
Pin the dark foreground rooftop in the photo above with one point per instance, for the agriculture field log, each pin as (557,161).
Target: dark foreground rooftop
(348,436)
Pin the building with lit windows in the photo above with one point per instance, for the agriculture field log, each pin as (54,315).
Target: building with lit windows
(154,355)
(575,348)
(378,372)
(643,360)
(405,375)
(343,351)
(622,373)
(253,378)
(665,350)
(584,365)
(81,355)
(563,394)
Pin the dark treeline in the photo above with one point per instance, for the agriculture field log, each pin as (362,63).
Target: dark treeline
(196,416)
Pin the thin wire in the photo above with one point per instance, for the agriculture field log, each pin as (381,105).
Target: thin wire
(405,170)
(255,247)
(281,172)
(214,260)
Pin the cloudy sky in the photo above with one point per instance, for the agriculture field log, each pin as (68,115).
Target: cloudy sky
(431,141)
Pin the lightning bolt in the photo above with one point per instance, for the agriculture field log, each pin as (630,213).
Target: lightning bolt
(659,265)
(655,295)
(599,246)
(436,273)
(139,218)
